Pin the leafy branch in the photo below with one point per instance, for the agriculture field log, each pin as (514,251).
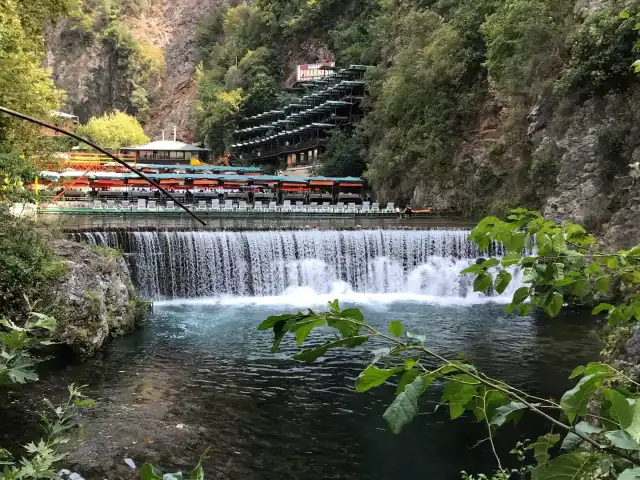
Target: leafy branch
(560,263)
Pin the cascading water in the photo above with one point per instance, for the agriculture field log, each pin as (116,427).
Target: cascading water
(181,265)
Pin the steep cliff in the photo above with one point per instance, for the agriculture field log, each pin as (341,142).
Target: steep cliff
(109,60)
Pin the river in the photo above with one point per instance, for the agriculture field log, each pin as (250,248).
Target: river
(201,375)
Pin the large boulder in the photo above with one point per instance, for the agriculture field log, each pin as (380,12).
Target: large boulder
(95,298)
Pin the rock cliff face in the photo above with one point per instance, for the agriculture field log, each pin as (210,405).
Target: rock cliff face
(95,300)
(90,70)
(574,165)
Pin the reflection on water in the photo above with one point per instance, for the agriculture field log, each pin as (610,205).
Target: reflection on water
(202,375)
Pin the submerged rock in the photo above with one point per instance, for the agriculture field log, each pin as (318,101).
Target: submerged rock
(94,299)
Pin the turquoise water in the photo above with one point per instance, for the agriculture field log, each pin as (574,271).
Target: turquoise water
(201,375)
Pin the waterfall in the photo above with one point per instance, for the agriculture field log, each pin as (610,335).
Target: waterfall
(183,265)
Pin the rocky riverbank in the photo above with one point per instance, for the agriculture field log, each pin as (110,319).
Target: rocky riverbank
(95,299)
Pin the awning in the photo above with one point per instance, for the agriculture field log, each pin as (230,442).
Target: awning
(170,182)
(206,182)
(133,181)
(321,182)
(343,184)
(100,182)
(234,184)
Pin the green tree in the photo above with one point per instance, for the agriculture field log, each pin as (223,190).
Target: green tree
(25,85)
(114,130)
(343,157)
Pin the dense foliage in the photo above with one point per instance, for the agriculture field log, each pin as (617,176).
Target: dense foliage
(451,90)
(114,130)
(596,424)
(24,84)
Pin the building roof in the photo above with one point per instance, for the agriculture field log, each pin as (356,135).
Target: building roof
(166,146)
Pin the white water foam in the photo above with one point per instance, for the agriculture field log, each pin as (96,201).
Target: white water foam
(304,268)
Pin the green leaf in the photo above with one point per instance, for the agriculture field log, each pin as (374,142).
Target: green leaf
(624,14)
(525,309)
(396,328)
(405,406)
(564,282)
(198,472)
(380,353)
(482,282)
(373,376)
(312,354)
(541,453)
(21,370)
(544,243)
(459,390)
(572,440)
(149,472)
(502,281)
(345,323)
(491,262)
(603,284)
(15,339)
(572,466)
(511,412)
(271,321)
(630,474)
(405,379)
(634,428)
(415,336)
(85,402)
(574,402)
(521,295)
(592,368)
(620,439)
(511,259)
(303,328)
(474,269)
(621,412)
(555,304)
(602,308)
(580,288)
(42,321)
(558,243)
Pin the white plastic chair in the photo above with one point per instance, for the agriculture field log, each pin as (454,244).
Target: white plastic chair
(390,208)
(314,207)
(286,206)
(202,204)
(242,207)
(228,205)
(171,205)
(366,206)
(153,205)
(340,207)
(351,208)
(326,207)
(299,206)
(273,207)
(375,208)
(215,205)
(142,204)
(125,205)
(111,204)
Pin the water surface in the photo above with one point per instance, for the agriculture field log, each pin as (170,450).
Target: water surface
(201,375)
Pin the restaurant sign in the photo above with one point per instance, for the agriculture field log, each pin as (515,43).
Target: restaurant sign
(314,72)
